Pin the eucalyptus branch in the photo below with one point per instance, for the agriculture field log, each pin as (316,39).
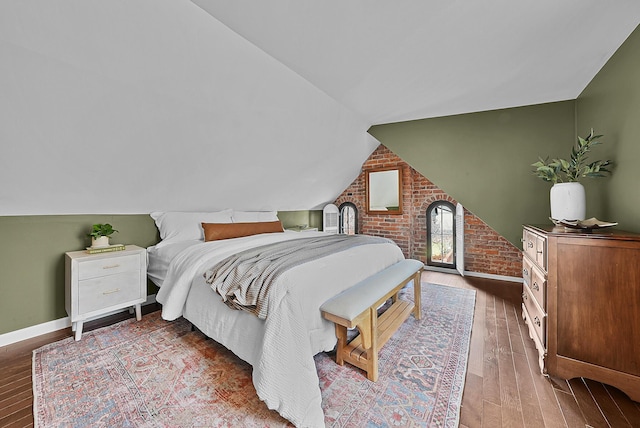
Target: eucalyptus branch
(572,170)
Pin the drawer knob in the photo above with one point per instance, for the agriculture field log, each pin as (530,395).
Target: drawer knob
(111,291)
(539,251)
(524,296)
(535,286)
(525,272)
(110,266)
(536,321)
(530,244)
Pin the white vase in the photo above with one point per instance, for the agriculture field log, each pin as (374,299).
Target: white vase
(102,241)
(568,201)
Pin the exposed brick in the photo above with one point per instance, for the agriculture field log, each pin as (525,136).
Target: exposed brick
(485,250)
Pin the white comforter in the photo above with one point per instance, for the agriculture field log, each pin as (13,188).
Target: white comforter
(284,372)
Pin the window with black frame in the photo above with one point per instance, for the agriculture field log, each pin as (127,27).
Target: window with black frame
(348,218)
(441,234)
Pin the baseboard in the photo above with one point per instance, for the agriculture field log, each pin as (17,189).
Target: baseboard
(475,274)
(492,276)
(51,326)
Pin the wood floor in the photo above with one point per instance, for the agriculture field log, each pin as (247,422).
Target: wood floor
(503,388)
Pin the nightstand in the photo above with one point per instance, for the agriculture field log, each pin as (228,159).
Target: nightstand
(96,284)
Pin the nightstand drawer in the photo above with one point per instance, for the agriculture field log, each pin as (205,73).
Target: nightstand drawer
(110,290)
(109,266)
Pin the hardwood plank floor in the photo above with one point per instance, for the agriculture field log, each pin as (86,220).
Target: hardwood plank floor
(504,387)
(510,391)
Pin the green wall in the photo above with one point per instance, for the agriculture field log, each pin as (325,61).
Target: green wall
(611,105)
(32,261)
(32,258)
(483,159)
(299,218)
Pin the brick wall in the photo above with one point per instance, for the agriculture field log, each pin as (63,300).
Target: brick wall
(485,250)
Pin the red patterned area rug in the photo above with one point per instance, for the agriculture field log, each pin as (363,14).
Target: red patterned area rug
(154,373)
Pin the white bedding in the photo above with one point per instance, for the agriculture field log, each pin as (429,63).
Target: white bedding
(160,257)
(281,348)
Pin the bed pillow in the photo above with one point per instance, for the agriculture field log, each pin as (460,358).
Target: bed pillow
(175,226)
(254,216)
(218,231)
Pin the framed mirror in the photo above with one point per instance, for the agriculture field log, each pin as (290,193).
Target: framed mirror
(384,191)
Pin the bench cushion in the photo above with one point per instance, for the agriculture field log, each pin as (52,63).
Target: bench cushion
(355,300)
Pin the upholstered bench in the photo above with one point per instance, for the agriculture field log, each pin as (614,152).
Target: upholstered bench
(358,307)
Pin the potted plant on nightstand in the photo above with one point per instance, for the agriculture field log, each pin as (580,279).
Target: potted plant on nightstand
(567,195)
(100,234)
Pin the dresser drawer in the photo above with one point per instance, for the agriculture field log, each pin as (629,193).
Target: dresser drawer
(541,252)
(536,281)
(537,318)
(535,247)
(526,270)
(108,266)
(529,243)
(103,292)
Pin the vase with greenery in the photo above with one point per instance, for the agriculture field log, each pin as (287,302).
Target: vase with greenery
(572,170)
(100,234)
(567,194)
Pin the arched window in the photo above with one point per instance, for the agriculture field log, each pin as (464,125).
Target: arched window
(348,218)
(441,234)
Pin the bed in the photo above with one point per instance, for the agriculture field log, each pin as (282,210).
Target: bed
(281,347)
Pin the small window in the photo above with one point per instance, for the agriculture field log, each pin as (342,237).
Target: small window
(348,219)
(441,234)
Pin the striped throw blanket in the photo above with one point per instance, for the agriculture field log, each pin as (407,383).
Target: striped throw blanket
(244,279)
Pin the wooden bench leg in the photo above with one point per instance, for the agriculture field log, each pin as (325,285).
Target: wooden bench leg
(341,334)
(417,293)
(372,350)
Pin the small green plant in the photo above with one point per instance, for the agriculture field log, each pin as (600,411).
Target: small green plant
(572,170)
(99,230)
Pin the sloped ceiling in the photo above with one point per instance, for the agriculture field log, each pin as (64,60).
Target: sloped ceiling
(397,61)
(126,106)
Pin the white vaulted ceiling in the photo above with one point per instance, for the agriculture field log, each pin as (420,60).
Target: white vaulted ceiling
(125,106)
(396,61)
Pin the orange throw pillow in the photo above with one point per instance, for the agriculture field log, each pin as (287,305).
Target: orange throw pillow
(217,231)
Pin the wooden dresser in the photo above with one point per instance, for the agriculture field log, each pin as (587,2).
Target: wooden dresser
(581,302)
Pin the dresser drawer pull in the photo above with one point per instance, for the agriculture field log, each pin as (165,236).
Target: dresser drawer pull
(539,251)
(110,267)
(536,321)
(111,291)
(524,296)
(530,244)
(525,272)
(535,286)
